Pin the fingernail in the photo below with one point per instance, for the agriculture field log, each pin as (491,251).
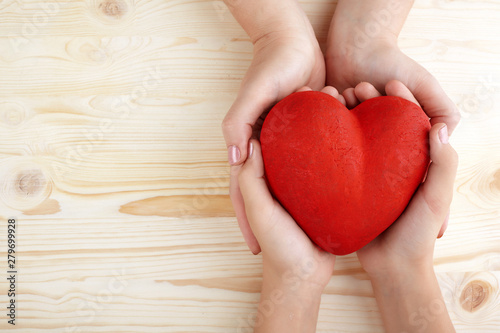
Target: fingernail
(443,134)
(233,154)
(250,150)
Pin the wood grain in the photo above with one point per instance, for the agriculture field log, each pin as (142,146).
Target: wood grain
(113,163)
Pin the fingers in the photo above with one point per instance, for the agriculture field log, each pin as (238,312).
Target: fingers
(237,126)
(305,88)
(362,92)
(365,91)
(239,209)
(437,190)
(435,102)
(397,88)
(334,93)
(236,133)
(327,90)
(350,98)
(255,193)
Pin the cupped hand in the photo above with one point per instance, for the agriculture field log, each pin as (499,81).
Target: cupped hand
(381,61)
(283,62)
(288,253)
(410,240)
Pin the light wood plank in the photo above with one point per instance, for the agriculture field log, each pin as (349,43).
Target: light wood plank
(113,162)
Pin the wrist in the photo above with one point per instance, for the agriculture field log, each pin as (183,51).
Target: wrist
(285,307)
(364,26)
(402,276)
(400,269)
(291,285)
(271,19)
(411,300)
(352,44)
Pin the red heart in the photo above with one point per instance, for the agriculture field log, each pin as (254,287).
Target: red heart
(344,175)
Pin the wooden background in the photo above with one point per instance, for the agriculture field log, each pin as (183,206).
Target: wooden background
(113,163)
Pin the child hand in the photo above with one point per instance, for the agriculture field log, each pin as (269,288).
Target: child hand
(410,240)
(286,249)
(399,261)
(294,268)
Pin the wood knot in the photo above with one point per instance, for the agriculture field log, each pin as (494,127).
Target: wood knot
(25,184)
(474,295)
(94,54)
(12,114)
(113,8)
(30,182)
(495,184)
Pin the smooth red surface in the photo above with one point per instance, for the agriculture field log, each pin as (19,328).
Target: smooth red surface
(344,175)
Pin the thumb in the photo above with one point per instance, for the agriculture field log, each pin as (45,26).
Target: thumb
(258,200)
(437,190)
(239,121)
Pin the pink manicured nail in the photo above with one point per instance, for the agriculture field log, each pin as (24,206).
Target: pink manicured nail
(250,150)
(443,134)
(233,154)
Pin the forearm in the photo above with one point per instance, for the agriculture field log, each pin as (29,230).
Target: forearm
(410,300)
(375,18)
(359,27)
(286,308)
(260,18)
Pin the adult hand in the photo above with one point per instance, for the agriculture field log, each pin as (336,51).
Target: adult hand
(287,56)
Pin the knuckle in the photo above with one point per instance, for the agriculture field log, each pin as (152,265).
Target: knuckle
(438,205)
(227,124)
(458,117)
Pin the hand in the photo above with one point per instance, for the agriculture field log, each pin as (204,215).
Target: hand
(354,55)
(294,268)
(399,261)
(284,60)
(411,238)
